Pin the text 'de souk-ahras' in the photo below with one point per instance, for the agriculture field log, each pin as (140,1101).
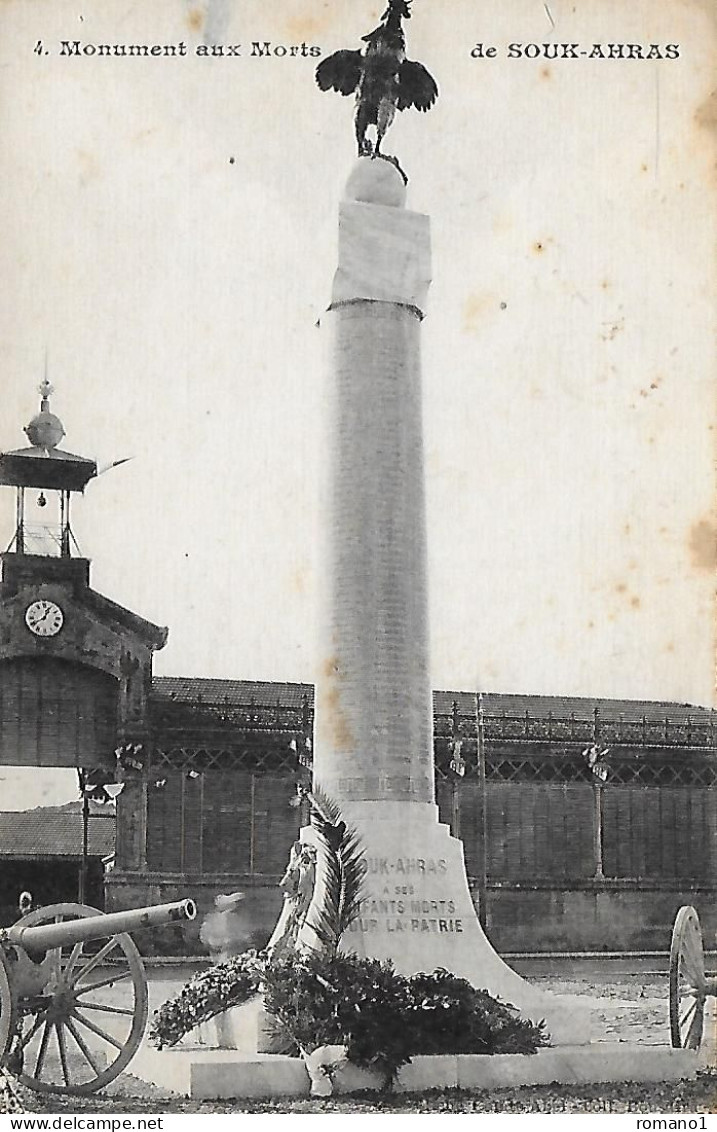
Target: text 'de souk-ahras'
(552,51)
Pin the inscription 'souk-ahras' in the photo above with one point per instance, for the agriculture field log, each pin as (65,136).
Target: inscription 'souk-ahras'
(407,866)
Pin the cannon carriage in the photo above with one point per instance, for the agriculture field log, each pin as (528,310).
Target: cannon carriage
(73,993)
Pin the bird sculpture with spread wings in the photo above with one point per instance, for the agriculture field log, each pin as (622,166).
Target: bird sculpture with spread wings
(381,77)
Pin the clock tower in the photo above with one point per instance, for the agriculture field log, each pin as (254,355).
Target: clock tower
(75,667)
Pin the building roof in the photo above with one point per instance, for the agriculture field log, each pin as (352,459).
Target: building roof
(155,636)
(56,831)
(264,693)
(230,693)
(583,707)
(52,469)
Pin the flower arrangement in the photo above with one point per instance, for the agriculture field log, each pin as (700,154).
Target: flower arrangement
(380,1017)
(210,992)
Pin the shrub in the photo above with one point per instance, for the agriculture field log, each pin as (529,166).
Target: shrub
(359,1003)
(448,1015)
(384,1018)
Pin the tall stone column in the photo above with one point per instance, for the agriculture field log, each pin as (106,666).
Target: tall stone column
(374,740)
(373,750)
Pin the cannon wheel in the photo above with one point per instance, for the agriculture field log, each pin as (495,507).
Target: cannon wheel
(8,1013)
(90,1021)
(688,985)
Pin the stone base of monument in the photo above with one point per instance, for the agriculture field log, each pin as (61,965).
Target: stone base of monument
(229,1074)
(418,912)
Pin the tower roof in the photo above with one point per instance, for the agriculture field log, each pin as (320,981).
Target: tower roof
(43,464)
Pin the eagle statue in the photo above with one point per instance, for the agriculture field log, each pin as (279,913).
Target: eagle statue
(381,77)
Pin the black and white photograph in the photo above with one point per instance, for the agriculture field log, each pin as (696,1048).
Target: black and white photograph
(358,726)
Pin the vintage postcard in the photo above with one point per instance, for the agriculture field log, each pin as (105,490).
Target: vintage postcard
(357,503)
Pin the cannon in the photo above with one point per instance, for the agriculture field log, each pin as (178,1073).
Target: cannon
(73,993)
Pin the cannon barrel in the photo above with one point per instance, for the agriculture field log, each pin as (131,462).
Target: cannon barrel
(69,932)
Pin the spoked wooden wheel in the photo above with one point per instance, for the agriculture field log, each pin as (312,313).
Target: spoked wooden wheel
(84,1028)
(688,986)
(8,1015)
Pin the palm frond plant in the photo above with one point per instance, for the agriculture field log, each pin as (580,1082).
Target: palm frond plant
(341,889)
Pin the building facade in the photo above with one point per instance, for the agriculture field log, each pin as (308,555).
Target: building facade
(585,823)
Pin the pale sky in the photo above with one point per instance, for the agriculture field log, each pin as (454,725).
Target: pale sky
(168,234)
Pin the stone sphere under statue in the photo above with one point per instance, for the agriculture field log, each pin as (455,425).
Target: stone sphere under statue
(375,181)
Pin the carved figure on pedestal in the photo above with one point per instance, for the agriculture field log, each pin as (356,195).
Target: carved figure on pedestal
(297,884)
(322,885)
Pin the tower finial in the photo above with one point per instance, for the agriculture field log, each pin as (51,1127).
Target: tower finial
(45,389)
(45,430)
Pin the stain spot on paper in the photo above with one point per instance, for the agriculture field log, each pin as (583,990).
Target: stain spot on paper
(195,19)
(703,545)
(89,166)
(298,580)
(474,307)
(706,114)
(310,28)
(340,736)
(611,329)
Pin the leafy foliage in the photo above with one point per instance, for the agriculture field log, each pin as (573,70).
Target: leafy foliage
(384,1018)
(359,1003)
(210,992)
(447,1014)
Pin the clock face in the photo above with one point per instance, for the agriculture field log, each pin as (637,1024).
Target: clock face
(44,618)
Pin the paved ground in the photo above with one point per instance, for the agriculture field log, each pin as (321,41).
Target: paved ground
(626,1009)
(633,1009)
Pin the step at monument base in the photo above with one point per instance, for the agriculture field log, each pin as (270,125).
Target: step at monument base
(228,1074)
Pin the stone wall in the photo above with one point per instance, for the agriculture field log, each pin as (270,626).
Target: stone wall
(593,918)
